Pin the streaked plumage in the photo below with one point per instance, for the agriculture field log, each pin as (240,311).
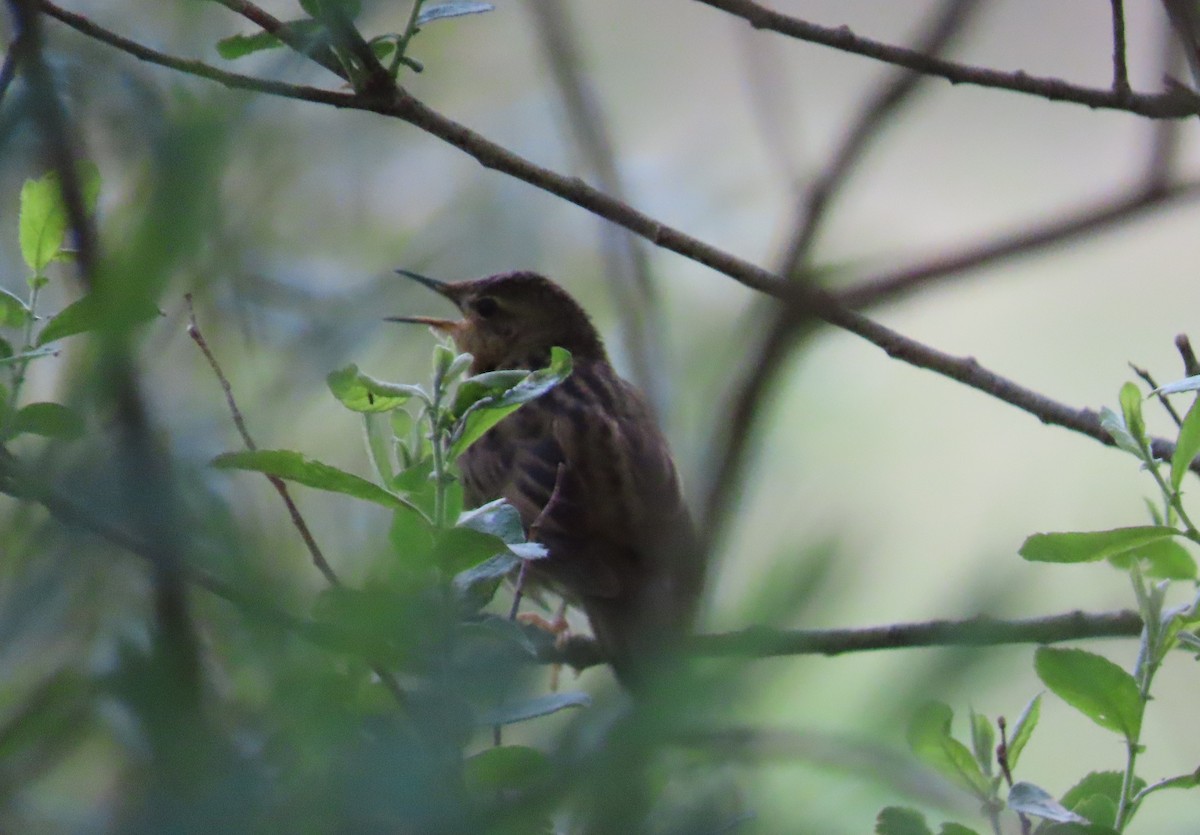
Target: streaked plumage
(586,467)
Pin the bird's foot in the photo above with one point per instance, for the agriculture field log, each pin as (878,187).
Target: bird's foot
(556,626)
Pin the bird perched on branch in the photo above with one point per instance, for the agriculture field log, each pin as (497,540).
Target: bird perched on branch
(586,467)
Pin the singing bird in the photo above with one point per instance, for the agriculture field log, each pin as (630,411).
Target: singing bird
(586,467)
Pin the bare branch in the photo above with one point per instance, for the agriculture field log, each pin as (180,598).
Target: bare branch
(1120,83)
(1174,104)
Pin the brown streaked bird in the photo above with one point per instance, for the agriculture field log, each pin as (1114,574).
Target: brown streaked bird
(586,467)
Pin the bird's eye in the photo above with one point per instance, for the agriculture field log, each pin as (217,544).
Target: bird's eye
(486,307)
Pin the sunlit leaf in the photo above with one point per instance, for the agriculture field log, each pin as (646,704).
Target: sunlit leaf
(13,312)
(1093,685)
(983,741)
(1163,559)
(1131,408)
(43,214)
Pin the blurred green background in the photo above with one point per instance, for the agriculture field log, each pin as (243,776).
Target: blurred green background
(921,489)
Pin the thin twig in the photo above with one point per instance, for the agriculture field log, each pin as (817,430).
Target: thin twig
(1191,366)
(314,550)
(1148,378)
(1120,83)
(8,70)
(1177,103)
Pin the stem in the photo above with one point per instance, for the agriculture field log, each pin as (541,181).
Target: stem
(18,378)
(1147,664)
(410,29)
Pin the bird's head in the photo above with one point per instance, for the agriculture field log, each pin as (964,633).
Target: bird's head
(512,320)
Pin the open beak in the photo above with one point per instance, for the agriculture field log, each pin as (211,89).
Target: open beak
(442,289)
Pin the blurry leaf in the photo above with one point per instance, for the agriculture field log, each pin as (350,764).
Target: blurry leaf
(512,712)
(54,709)
(86,314)
(895,820)
(1114,425)
(956,829)
(1131,408)
(239,46)
(51,420)
(1094,686)
(476,586)
(505,768)
(350,8)
(529,550)
(1075,829)
(441,11)
(498,518)
(415,479)
(983,741)
(1092,545)
(292,466)
(412,539)
(457,549)
(6,350)
(13,312)
(1163,559)
(1023,730)
(1187,446)
(1029,799)
(361,392)
(1097,809)
(930,739)
(486,413)
(382,47)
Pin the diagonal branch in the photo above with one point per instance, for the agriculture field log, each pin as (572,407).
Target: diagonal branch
(805,299)
(1178,103)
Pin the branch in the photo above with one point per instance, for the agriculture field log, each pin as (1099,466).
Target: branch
(1177,103)
(1120,83)
(761,642)
(806,300)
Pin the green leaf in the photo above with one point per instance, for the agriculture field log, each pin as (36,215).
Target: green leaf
(361,392)
(87,314)
(1131,408)
(43,215)
(956,829)
(512,712)
(983,741)
(1163,559)
(1114,425)
(488,384)
(380,444)
(506,768)
(1075,829)
(476,586)
(457,549)
(51,420)
(1187,446)
(1023,730)
(483,414)
(442,11)
(292,466)
(1091,545)
(239,46)
(498,518)
(1094,686)
(1028,799)
(930,739)
(6,349)
(897,820)
(13,312)
(1099,784)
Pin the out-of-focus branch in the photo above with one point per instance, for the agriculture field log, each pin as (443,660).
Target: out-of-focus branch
(896,284)
(1175,104)
(787,328)
(761,642)
(806,300)
(1120,83)
(626,268)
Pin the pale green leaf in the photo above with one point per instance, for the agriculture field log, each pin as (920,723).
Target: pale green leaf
(1093,685)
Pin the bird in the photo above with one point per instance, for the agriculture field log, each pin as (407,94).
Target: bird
(586,467)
